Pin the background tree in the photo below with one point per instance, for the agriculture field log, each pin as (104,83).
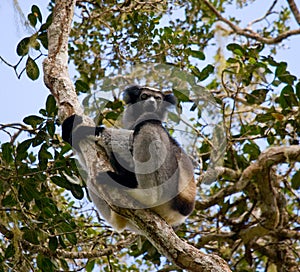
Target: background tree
(249,216)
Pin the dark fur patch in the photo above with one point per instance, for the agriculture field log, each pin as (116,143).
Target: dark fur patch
(170,98)
(121,175)
(183,205)
(132,94)
(73,131)
(117,180)
(67,128)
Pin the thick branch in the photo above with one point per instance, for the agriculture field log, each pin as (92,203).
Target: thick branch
(56,75)
(267,159)
(169,244)
(276,155)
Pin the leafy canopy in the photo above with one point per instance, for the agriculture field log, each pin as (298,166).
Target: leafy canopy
(47,222)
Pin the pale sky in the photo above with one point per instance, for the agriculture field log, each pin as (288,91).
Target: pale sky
(18,98)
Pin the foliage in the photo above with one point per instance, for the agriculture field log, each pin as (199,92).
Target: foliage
(47,222)
(32,47)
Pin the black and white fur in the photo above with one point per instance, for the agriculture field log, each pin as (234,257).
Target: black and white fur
(159,174)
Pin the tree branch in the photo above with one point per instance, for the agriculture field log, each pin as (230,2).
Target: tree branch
(56,75)
(294,10)
(162,236)
(249,33)
(267,159)
(62,253)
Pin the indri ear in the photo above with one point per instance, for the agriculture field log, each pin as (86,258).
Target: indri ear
(131,94)
(170,98)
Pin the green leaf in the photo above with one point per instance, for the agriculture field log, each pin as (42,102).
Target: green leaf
(37,13)
(50,125)
(35,44)
(51,105)
(257,96)
(296,181)
(53,243)
(40,138)
(298,90)
(72,238)
(236,49)
(112,115)
(263,118)
(47,207)
(209,69)
(196,72)
(44,263)
(23,46)
(61,241)
(10,251)
(29,191)
(81,86)
(250,129)
(30,236)
(48,22)
(252,149)
(276,82)
(271,139)
(44,155)
(281,69)
(33,120)
(182,95)
(77,191)
(287,98)
(43,112)
(32,19)
(174,117)
(9,201)
(204,73)
(43,38)
(270,60)
(66,226)
(22,149)
(287,78)
(114,105)
(61,182)
(32,70)
(7,152)
(90,265)
(196,54)
(233,60)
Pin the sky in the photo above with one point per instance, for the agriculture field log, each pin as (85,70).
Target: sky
(18,97)
(22,97)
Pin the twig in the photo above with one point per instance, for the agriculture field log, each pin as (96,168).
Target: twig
(248,32)
(263,17)
(13,66)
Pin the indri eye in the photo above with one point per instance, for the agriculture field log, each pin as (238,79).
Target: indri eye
(144,96)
